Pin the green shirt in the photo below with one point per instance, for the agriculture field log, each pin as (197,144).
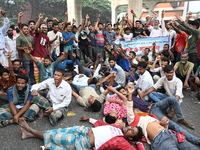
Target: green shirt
(194,34)
(183,69)
(46,72)
(23,41)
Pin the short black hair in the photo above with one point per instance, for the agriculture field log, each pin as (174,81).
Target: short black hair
(119,88)
(145,58)
(47,57)
(194,23)
(17,30)
(133,53)
(12,26)
(67,24)
(167,45)
(100,23)
(111,58)
(96,106)
(142,64)
(16,60)
(139,136)
(23,25)
(29,22)
(55,24)
(109,24)
(127,28)
(165,53)
(22,76)
(168,68)
(49,20)
(166,59)
(4,70)
(138,21)
(93,81)
(110,119)
(60,70)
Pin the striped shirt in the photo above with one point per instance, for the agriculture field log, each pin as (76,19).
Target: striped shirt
(99,38)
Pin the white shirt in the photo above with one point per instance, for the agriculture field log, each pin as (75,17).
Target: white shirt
(120,75)
(172,88)
(128,37)
(158,32)
(103,134)
(3,31)
(145,82)
(52,36)
(158,69)
(59,96)
(83,81)
(10,45)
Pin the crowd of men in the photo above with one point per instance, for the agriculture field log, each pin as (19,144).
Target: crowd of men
(46,63)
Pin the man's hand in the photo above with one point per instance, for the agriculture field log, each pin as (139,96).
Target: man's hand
(179,18)
(55,46)
(130,89)
(20,14)
(9,53)
(15,119)
(197,80)
(26,50)
(40,16)
(74,55)
(158,58)
(66,13)
(163,13)
(185,85)
(35,93)
(49,110)
(3,13)
(87,17)
(154,44)
(2,93)
(84,118)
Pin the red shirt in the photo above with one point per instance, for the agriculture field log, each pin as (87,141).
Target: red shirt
(41,41)
(180,42)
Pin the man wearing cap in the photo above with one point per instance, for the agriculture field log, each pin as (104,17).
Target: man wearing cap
(3,30)
(41,46)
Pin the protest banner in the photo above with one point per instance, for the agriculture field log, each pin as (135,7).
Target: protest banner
(139,44)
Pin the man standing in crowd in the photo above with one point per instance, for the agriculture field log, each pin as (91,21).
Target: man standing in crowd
(3,30)
(41,46)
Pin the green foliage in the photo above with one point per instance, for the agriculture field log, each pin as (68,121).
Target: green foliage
(12,8)
(97,9)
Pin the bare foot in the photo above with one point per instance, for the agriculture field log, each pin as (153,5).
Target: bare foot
(26,134)
(24,125)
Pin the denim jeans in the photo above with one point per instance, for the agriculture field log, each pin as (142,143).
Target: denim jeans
(160,109)
(166,140)
(157,97)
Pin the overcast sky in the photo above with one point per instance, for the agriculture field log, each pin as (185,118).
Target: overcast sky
(194,6)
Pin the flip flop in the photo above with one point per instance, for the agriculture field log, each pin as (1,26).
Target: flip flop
(188,125)
(4,123)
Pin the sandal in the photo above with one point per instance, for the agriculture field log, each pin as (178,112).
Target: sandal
(193,95)
(187,124)
(4,123)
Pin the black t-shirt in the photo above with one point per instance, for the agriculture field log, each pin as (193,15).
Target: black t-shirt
(137,32)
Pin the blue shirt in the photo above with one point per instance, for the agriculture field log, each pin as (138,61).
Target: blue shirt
(62,64)
(124,63)
(21,99)
(66,36)
(91,36)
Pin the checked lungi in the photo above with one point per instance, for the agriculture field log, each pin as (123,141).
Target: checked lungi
(44,103)
(30,114)
(72,138)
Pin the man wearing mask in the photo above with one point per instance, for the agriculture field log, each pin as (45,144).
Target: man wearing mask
(183,69)
(41,46)
(3,30)
(55,38)
(10,44)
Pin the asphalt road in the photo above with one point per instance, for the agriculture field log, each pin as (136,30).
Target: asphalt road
(10,136)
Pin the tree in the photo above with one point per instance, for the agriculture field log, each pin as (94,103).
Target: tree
(97,9)
(12,8)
